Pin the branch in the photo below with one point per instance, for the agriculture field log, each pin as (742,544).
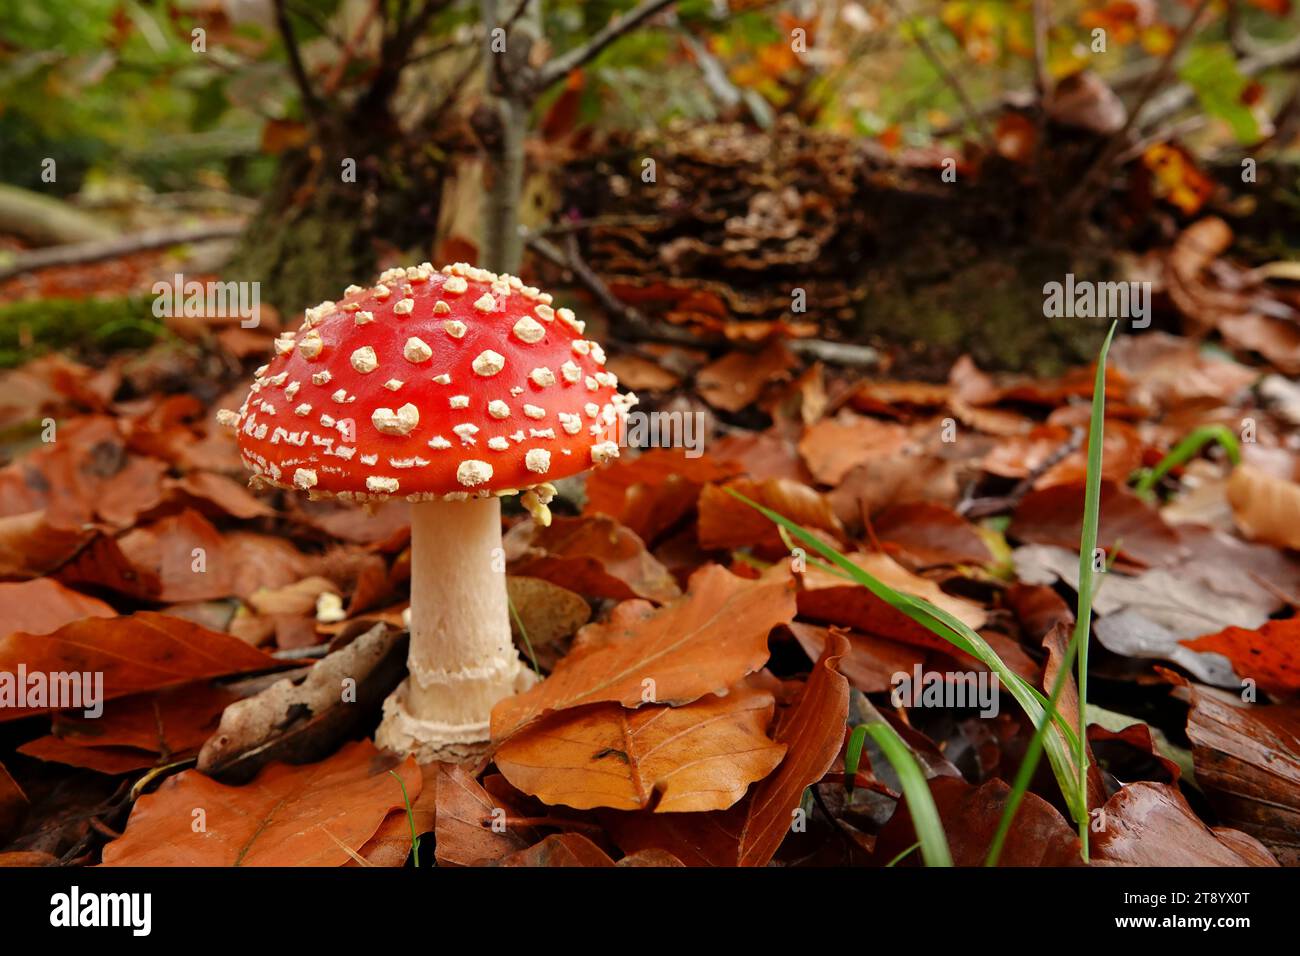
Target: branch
(310,103)
(968,108)
(564,64)
(1080,198)
(84,252)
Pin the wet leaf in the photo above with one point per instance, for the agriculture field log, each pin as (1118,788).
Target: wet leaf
(1150,824)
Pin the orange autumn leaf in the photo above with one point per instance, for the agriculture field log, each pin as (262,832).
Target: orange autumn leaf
(44,605)
(651,492)
(560,850)
(144,651)
(832,599)
(701,643)
(727,522)
(1265,507)
(750,833)
(134,732)
(702,756)
(1269,656)
(834,447)
(1178,181)
(735,380)
(596,556)
(308,815)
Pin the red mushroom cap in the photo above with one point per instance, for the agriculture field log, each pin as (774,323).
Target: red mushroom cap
(430,384)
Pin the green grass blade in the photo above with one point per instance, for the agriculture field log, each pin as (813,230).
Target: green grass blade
(1087,547)
(410,818)
(523,632)
(853,754)
(1082,627)
(925,817)
(1186,450)
(902,856)
(1061,744)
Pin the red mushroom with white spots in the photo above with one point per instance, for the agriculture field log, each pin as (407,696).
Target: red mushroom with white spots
(450,389)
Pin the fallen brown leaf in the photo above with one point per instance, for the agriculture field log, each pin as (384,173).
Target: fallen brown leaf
(701,756)
(1265,507)
(702,643)
(287,816)
(750,833)
(595,556)
(144,651)
(44,605)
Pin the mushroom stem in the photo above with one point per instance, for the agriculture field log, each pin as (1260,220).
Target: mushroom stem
(462,659)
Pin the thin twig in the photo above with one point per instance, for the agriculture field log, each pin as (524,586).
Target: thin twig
(983,507)
(1080,198)
(81,253)
(310,102)
(564,64)
(968,108)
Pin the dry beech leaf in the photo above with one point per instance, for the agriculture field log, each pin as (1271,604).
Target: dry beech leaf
(1248,762)
(463,821)
(1039,835)
(144,651)
(699,644)
(547,611)
(1265,507)
(135,732)
(1127,525)
(726,522)
(750,833)
(653,491)
(871,662)
(737,379)
(596,556)
(560,849)
(835,446)
(923,534)
(1270,656)
(30,545)
(391,844)
(13,804)
(702,756)
(44,605)
(1150,824)
(607,487)
(832,599)
(287,816)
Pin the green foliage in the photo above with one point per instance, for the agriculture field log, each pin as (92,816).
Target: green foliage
(1061,743)
(1082,627)
(920,804)
(1211,70)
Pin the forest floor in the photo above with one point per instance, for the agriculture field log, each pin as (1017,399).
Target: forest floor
(131,546)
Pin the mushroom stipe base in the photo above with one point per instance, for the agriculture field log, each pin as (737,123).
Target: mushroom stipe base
(462,658)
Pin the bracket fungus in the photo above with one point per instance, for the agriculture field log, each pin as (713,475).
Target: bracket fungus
(450,389)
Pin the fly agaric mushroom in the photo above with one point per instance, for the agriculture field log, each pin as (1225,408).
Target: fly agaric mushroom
(449,389)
